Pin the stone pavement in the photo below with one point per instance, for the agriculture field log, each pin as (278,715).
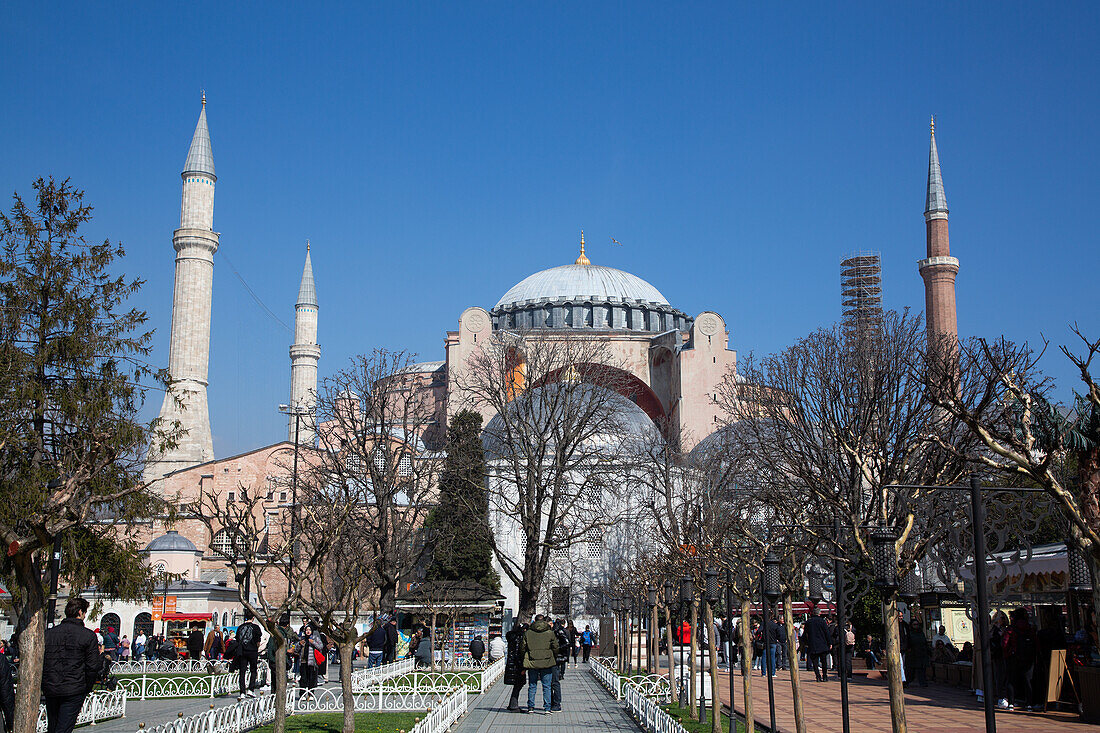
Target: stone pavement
(585,707)
(934,708)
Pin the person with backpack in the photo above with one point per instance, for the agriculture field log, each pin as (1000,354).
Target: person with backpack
(248,654)
(71,666)
(562,658)
(540,661)
(1020,646)
(588,638)
(110,643)
(477,648)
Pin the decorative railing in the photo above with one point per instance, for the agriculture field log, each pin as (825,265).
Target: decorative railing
(161,666)
(648,711)
(443,716)
(97,706)
(444,708)
(208,685)
(365,677)
(491,674)
(604,671)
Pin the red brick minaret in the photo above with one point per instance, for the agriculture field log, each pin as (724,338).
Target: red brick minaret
(939,268)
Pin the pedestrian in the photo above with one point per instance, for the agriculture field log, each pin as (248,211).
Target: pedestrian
(7,689)
(779,651)
(424,649)
(497,648)
(514,674)
(214,646)
(561,657)
(918,655)
(817,644)
(310,656)
(849,649)
(322,663)
(477,648)
(997,631)
(124,649)
(71,666)
(588,638)
(1020,650)
(540,661)
(195,642)
(574,642)
(248,654)
(392,639)
(138,647)
(110,643)
(376,645)
(271,648)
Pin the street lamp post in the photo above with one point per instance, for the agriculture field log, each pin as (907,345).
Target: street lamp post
(711,598)
(297,411)
(618,632)
(769,587)
(687,596)
(670,599)
(652,646)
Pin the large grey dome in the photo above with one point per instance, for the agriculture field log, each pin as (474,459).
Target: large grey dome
(586,296)
(173,541)
(583,281)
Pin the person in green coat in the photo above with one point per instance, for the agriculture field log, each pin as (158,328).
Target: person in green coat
(540,661)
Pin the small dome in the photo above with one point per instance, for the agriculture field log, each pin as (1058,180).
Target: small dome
(173,541)
(585,282)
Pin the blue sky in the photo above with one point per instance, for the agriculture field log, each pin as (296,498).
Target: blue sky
(437,153)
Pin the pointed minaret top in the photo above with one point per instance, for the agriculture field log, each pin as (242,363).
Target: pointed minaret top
(200,158)
(936,203)
(582,260)
(307,293)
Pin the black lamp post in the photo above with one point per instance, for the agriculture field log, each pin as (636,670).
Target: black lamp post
(615,605)
(651,599)
(816,581)
(670,599)
(769,587)
(1079,578)
(687,596)
(909,587)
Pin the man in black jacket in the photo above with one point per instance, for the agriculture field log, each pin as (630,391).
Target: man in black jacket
(390,651)
(248,654)
(514,673)
(70,667)
(817,641)
(561,657)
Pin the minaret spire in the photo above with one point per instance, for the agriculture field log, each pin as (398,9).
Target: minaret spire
(195,242)
(304,355)
(582,260)
(939,268)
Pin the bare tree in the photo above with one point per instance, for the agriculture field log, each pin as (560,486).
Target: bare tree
(847,421)
(559,419)
(265,557)
(998,392)
(374,417)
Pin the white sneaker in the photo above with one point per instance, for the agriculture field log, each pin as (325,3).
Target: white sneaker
(1002,704)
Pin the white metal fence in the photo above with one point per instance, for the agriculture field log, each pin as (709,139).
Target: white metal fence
(643,696)
(97,706)
(200,685)
(364,677)
(162,666)
(648,712)
(444,708)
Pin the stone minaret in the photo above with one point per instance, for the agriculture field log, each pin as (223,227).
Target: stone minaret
(195,242)
(304,353)
(940,268)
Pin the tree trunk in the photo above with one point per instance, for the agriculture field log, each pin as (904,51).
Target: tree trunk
(712,651)
(431,644)
(693,703)
(32,644)
(893,665)
(671,654)
(278,685)
(346,649)
(792,658)
(654,643)
(746,664)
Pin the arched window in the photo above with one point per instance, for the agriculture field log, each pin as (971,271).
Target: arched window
(160,568)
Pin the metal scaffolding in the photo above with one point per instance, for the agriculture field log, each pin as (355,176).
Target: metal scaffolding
(861,293)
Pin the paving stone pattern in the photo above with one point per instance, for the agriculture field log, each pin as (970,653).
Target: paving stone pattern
(585,707)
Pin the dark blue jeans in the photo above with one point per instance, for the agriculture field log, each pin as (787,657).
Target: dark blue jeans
(546,677)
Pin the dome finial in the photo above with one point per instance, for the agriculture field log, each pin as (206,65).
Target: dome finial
(307,245)
(933,125)
(203,97)
(582,260)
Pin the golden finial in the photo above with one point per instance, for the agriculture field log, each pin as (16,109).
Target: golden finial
(307,246)
(933,125)
(203,97)
(582,260)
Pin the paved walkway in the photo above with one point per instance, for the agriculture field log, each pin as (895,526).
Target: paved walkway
(585,707)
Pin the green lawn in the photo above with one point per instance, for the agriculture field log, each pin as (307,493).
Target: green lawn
(334,723)
(694,726)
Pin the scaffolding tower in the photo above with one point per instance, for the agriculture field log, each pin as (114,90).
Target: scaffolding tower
(861,293)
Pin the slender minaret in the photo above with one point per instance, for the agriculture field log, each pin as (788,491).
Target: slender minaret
(304,353)
(195,242)
(940,268)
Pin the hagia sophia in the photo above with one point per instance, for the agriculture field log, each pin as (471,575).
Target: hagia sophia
(673,361)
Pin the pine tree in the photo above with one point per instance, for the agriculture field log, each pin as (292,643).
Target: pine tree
(459,526)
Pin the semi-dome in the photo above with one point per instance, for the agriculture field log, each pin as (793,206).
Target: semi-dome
(173,541)
(587,296)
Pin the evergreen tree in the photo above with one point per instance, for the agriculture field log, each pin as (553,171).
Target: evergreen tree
(458,527)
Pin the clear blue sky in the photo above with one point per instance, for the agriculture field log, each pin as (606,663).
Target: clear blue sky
(437,153)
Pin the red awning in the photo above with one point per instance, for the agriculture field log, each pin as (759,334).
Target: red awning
(186,617)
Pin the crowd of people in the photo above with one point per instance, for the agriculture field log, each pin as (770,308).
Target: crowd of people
(538,654)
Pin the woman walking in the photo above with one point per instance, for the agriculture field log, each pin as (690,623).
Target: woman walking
(310,652)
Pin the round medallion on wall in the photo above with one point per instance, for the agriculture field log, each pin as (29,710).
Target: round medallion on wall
(476,321)
(708,324)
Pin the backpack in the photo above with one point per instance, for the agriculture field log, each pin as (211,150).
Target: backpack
(586,638)
(231,649)
(246,636)
(1024,647)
